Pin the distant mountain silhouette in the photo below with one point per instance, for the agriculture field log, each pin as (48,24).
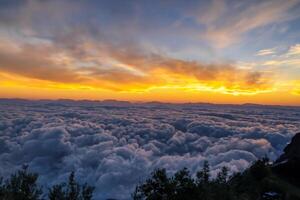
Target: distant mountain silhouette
(113,102)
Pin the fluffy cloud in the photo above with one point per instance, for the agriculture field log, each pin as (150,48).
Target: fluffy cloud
(114,146)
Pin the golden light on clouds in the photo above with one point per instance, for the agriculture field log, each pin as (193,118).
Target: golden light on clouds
(204,54)
(49,72)
(121,70)
(295,85)
(175,88)
(128,75)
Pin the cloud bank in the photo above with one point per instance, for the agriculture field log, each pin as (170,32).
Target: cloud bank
(114,145)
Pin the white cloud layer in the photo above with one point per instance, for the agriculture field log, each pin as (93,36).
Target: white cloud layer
(115,145)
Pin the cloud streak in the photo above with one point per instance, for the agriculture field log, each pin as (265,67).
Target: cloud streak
(119,67)
(266,52)
(226,24)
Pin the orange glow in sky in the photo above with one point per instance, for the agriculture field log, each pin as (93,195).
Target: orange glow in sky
(199,52)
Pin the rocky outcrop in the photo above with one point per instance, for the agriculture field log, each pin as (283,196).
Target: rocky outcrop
(287,165)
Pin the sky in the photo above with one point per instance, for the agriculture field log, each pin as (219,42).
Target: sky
(172,51)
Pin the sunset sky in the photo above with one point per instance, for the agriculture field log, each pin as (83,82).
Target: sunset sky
(173,51)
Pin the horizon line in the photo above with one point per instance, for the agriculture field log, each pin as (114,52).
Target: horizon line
(148,102)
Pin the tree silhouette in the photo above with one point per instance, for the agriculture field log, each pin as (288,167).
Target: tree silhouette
(204,174)
(258,182)
(255,183)
(21,186)
(157,187)
(71,190)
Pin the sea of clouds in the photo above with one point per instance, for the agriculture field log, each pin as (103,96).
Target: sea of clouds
(115,145)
